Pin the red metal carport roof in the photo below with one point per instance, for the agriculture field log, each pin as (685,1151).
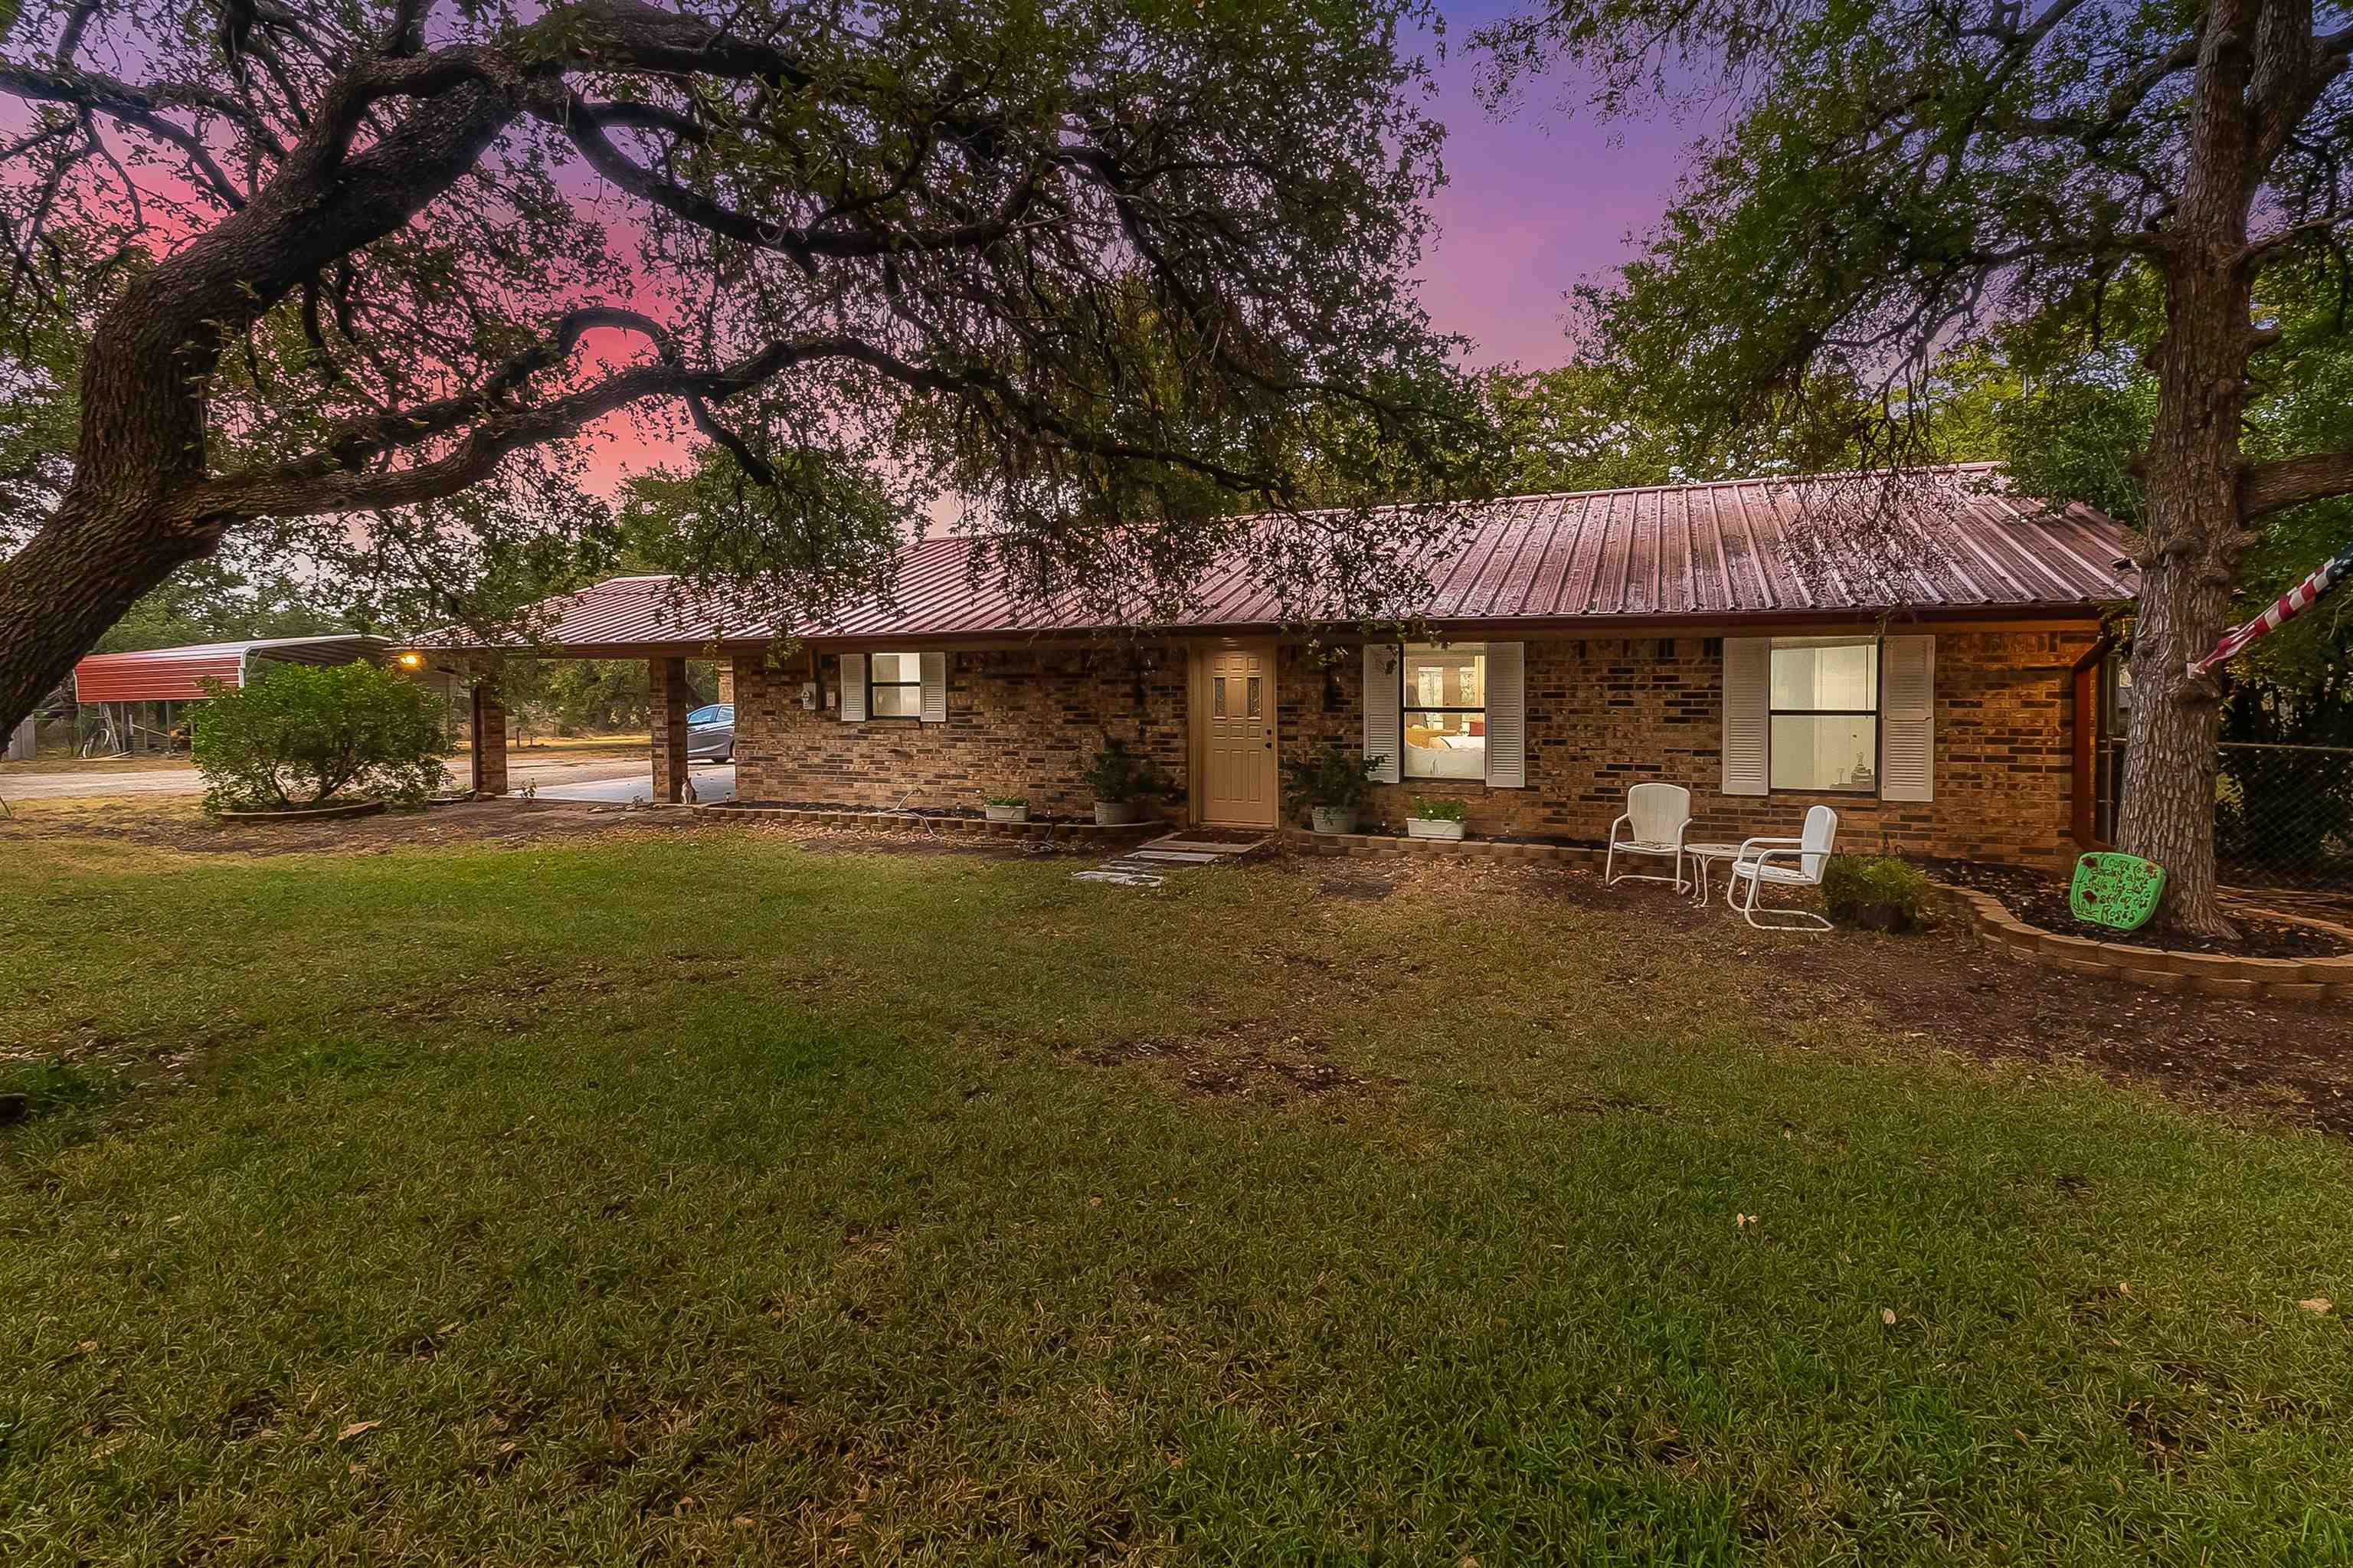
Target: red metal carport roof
(1724,551)
(171,674)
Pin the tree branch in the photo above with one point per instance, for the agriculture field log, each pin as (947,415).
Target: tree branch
(2269,487)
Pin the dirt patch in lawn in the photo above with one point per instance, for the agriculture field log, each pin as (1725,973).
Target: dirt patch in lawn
(1261,1060)
(1950,989)
(2041,899)
(843,841)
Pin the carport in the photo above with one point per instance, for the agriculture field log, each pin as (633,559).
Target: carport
(614,620)
(140,692)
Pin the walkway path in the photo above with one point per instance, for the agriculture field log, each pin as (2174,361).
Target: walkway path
(1148,864)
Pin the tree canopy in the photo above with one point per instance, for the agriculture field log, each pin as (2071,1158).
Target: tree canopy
(1110,270)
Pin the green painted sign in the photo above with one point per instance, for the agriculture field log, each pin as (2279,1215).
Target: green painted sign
(2118,890)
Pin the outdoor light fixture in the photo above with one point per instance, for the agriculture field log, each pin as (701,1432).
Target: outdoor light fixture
(411,660)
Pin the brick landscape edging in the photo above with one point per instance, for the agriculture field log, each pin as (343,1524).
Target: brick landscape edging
(1066,836)
(2207,974)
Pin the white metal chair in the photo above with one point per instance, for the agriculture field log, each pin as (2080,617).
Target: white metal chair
(1657,816)
(1807,856)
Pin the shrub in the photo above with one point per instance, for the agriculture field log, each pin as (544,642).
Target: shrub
(1442,811)
(1875,893)
(302,735)
(1335,779)
(1008,800)
(1117,775)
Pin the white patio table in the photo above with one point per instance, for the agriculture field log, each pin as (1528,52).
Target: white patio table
(1700,855)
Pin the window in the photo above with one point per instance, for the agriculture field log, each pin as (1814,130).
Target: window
(1444,708)
(1825,714)
(717,712)
(896,683)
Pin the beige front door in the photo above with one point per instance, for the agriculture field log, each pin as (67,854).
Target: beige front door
(1236,726)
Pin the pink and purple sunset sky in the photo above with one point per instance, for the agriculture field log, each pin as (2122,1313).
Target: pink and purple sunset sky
(1537,200)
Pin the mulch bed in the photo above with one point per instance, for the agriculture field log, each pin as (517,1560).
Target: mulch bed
(2041,899)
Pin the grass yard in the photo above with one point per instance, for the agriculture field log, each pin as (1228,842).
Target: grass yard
(701,1197)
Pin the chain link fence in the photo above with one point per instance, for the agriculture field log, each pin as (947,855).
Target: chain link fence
(2284,815)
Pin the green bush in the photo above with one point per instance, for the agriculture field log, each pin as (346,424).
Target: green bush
(1440,810)
(1335,779)
(1875,891)
(1117,776)
(305,734)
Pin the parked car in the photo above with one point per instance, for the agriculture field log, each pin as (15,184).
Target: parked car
(711,733)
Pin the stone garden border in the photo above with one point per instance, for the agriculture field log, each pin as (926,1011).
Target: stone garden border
(1065,835)
(2207,974)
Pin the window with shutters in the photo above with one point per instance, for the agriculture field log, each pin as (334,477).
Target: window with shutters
(895,684)
(1444,708)
(1824,715)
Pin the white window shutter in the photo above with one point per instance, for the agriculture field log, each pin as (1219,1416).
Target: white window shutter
(1748,714)
(1907,719)
(1507,719)
(1384,734)
(853,688)
(936,688)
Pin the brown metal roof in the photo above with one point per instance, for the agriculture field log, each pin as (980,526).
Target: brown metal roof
(1733,550)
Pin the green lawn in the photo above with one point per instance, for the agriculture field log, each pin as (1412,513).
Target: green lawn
(700,1198)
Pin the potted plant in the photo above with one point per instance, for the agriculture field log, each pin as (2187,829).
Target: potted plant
(1007,808)
(1437,819)
(1331,784)
(1124,784)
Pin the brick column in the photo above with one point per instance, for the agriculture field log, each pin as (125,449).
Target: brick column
(490,742)
(672,699)
(726,680)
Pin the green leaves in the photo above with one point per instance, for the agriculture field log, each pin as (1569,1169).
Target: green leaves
(302,735)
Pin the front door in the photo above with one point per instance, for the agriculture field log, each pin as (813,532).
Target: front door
(1237,725)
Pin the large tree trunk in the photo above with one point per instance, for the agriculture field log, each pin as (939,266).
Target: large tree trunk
(2194,529)
(78,577)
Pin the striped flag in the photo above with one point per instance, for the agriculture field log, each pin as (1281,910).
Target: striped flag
(2289,605)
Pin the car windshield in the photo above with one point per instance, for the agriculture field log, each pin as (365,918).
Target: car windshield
(717,712)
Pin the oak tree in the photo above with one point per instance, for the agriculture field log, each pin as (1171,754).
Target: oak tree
(1899,178)
(359,278)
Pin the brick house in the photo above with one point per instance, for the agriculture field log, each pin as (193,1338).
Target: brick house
(1572,645)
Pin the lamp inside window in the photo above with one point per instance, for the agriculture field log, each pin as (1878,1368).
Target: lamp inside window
(1444,708)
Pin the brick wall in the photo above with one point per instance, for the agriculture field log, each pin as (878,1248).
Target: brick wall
(670,700)
(1602,713)
(1019,722)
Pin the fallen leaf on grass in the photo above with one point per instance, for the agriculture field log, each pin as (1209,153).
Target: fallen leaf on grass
(355,1428)
(2317,1304)
(1887,1316)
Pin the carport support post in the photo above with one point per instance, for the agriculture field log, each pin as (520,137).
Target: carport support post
(490,742)
(672,698)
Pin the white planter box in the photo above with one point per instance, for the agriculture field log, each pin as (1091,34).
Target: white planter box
(1006,813)
(1423,828)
